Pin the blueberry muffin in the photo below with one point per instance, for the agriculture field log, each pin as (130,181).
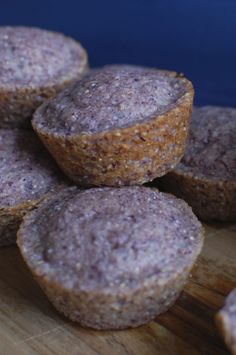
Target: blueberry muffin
(111,258)
(27,175)
(119,125)
(206,176)
(35,64)
(226,321)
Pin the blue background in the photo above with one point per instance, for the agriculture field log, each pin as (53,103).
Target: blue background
(197,37)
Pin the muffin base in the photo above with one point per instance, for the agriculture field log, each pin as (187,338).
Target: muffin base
(211,200)
(111,312)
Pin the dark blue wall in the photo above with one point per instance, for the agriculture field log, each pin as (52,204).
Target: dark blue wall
(197,37)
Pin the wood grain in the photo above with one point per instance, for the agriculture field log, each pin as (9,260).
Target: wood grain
(29,325)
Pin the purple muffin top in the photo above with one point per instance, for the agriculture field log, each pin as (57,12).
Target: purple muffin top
(27,172)
(109,238)
(211,148)
(112,97)
(31,57)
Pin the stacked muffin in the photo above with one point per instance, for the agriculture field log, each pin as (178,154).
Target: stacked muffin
(206,176)
(114,255)
(34,65)
(226,321)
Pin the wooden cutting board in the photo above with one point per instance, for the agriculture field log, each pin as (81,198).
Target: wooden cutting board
(29,324)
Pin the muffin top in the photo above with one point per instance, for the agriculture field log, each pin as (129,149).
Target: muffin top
(211,148)
(109,238)
(26,170)
(112,97)
(31,57)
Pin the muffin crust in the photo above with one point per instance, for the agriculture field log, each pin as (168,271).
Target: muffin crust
(27,174)
(123,258)
(206,176)
(119,125)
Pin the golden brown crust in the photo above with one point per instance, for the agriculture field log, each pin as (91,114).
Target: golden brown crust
(125,156)
(210,199)
(90,309)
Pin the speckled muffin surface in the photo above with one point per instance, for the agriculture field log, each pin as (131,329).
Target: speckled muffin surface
(35,64)
(27,174)
(206,176)
(226,321)
(106,124)
(111,258)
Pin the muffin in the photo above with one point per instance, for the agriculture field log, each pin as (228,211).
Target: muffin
(111,258)
(206,176)
(119,125)
(35,64)
(27,175)
(226,321)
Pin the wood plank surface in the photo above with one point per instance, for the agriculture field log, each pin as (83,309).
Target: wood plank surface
(29,325)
